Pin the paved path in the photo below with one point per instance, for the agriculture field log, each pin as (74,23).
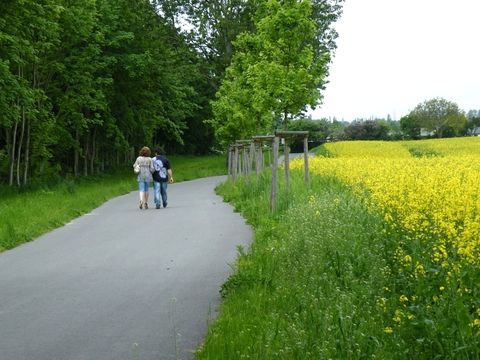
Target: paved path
(121,283)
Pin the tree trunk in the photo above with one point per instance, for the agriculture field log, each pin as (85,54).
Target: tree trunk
(20,143)
(93,152)
(12,153)
(27,155)
(75,153)
(85,155)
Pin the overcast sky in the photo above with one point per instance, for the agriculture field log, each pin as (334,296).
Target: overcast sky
(394,54)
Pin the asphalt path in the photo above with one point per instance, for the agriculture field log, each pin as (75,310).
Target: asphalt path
(122,283)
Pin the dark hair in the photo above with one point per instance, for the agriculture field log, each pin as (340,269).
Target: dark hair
(159,150)
(145,151)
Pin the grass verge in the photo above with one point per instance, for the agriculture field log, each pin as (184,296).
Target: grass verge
(310,287)
(27,214)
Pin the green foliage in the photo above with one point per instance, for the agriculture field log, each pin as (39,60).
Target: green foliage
(422,151)
(410,126)
(367,130)
(318,130)
(84,84)
(275,72)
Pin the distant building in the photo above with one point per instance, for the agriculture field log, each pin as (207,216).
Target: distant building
(426,133)
(474,131)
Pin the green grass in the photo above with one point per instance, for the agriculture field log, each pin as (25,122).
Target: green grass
(194,167)
(321,151)
(310,286)
(30,213)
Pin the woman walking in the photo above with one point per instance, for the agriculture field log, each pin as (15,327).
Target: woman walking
(144,167)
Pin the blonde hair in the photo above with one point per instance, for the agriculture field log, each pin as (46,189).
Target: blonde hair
(145,151)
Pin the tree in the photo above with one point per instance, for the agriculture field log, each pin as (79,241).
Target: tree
(275,72)
(367,130)
(28,34)
(213,27)
(440,116)
(410,126)
(473,121)
(85,83)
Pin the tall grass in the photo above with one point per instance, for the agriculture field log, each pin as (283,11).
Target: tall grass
(311,286)
(26,214)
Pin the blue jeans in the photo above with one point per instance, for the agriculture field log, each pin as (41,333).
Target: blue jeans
(143,186)
(160,188)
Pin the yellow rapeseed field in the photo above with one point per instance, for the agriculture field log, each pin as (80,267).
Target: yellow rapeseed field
(429,195)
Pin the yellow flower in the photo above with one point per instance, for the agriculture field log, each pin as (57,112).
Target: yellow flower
(475,322)
(398,316)
(388,330)
(432,203)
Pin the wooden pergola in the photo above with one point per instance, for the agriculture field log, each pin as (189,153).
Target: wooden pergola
(243,155)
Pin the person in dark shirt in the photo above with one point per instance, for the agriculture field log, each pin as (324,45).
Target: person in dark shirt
(161,177)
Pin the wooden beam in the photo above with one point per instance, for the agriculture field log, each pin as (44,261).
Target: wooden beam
(262,138)
(285,133)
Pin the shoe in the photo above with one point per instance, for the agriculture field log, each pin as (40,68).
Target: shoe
(165,205)
(146,206)
(141,205)
(157,206)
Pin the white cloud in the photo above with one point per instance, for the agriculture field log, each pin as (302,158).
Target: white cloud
(393,55)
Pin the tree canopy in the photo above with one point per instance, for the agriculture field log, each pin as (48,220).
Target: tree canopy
(85,84)
(437,115)
(276,71)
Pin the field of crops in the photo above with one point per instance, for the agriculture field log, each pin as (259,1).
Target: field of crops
(428,193)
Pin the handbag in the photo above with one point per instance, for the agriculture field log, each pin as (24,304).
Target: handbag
(136,168)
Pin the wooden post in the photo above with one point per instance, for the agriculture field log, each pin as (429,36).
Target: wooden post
(258,157)
(252,155)
(270,156)
(287,165)
(273,193)
(239,165)
(262,160)
(244,161)
(305,154)
(229,161)
(235,163)
(248,162)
